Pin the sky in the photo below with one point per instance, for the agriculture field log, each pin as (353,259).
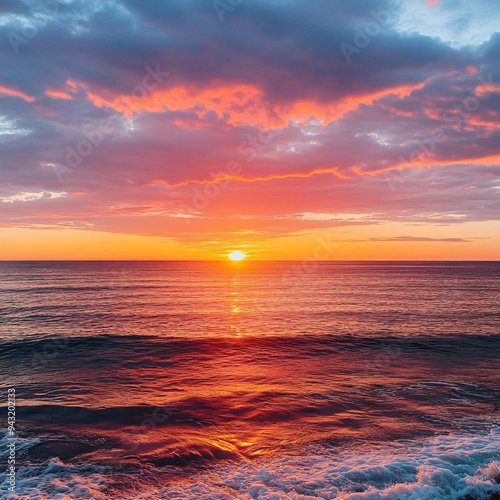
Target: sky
(187,129)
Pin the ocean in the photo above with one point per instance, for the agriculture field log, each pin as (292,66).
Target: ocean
(251,380)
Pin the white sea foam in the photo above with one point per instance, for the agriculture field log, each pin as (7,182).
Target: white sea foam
(443,467)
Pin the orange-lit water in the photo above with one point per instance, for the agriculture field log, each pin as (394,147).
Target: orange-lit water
(170,368)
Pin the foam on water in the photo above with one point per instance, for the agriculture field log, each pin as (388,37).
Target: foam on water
(451,467)
(257,363)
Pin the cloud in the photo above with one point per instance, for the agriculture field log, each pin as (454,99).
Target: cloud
(15,93)
(261,123)
(418,239)
(24,197)
(457,23)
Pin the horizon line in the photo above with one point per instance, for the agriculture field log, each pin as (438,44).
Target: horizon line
(239,262)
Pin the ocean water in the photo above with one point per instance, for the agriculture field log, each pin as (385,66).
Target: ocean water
(191,380)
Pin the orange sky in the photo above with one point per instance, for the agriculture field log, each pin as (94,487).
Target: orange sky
(319,245)
(180,135)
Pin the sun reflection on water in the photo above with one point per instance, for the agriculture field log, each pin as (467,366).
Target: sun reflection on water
(235,303)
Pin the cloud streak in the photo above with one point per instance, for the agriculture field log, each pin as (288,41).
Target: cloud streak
(263,110)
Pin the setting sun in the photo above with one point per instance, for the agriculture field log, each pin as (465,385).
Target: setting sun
(236,255)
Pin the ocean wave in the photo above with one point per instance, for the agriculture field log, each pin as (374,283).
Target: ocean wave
(83,288)
(305,344)
(447,467)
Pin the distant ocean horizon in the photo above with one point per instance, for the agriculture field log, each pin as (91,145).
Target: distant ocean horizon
(252,380)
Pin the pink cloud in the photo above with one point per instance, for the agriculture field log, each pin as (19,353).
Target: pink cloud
(17,93)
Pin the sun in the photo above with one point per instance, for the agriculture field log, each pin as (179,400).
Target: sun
(236,255)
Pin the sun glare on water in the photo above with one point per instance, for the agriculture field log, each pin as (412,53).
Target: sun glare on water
(236,255)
